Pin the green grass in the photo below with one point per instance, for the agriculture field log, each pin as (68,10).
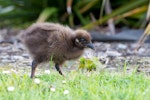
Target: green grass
(81,86)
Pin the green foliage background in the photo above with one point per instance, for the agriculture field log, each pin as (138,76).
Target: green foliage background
(24,12)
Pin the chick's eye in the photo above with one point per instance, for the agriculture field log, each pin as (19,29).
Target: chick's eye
(83,40)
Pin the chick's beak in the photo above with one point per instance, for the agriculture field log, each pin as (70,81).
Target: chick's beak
(90,45)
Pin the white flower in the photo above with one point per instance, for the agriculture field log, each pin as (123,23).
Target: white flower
(52,89)
(47,71)
(6,72)
(11,88)
(66,92)
(37,81)
(63,81)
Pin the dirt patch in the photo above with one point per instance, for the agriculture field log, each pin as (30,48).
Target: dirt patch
(113,56)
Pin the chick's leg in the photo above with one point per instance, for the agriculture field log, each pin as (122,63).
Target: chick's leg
(34,65)
(58,69)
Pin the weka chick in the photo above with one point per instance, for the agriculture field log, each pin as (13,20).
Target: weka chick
(46,41)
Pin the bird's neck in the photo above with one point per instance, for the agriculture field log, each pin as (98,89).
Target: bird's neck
(74,53)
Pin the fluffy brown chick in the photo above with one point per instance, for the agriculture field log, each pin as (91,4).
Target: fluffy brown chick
(46,41)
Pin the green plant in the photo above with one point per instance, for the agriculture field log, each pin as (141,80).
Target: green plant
(89,63)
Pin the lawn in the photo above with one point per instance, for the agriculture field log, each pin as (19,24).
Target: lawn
(75,85)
